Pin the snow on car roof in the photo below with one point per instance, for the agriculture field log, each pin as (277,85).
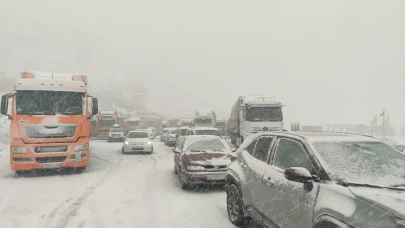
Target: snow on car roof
(206,128)
(107,112)
(50,85)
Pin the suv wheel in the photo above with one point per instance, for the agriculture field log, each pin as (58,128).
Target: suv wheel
(234,206)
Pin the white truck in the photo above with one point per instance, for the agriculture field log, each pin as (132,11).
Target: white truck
(221,125)
(254,114)
(186,122)
(205,119)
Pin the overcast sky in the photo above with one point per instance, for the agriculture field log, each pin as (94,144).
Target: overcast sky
(328,61)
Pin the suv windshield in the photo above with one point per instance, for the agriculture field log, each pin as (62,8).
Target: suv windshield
(264,114)
(49,103)
(203,145)
(363,162)
(207,132)
(138,135)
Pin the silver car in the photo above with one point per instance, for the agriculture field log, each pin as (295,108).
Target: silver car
(309,180)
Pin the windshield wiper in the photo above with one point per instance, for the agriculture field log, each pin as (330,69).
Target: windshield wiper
(397,185)
(349,184)
(198,151)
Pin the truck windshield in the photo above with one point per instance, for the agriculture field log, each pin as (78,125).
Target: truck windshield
(33,102)
(202,121)
(207,132)
(106,122)
(264,114)
(220,124)
(133,123)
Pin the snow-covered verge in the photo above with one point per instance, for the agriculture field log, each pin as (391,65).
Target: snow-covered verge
(4,133)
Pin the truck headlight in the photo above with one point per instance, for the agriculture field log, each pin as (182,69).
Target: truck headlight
(400,223)
(81,147)
(18,150)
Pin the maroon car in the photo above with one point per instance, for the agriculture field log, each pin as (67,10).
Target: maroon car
(201,159)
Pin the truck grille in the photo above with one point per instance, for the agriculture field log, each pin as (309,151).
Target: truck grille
(50,149)
(51,159)
(50,131)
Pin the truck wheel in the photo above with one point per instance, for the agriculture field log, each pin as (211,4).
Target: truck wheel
(175,169)
(19,172)
(79,169)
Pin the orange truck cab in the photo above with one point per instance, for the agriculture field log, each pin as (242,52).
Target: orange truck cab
(106,120)
(50,121)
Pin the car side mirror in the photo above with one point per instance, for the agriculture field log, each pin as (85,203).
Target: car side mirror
(176,151)
(297,174)
(234,150)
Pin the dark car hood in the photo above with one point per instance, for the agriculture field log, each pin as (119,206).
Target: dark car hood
(390,200)
(207,158)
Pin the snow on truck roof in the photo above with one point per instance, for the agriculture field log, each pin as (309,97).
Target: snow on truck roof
(134,119)
(50,85)
(259,100)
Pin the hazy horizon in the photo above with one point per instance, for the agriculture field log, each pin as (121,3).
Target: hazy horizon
(328,62)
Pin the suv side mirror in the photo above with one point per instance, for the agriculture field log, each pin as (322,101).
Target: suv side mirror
(297,174)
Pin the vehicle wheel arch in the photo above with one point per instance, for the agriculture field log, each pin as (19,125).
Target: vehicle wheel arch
(230,179)
(329,221)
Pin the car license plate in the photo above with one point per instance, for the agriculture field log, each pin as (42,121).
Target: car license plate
(216,177)
(51,166)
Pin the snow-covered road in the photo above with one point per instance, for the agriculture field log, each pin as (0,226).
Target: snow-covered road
(115,191)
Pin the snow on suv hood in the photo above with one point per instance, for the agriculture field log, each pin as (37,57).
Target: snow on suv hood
(390,200)
(138,140)
(209,158)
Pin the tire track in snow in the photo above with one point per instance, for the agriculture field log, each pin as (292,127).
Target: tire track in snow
(60,216)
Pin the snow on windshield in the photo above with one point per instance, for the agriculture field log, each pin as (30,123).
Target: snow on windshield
(363,162)
(205,145)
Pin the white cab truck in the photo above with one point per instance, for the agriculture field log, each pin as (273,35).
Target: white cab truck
(205,119)
(254,114)
(221,125)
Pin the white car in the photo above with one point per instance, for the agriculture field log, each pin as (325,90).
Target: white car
(137,141)
(171,139)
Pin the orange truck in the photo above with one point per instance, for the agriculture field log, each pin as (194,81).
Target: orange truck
(50,121)
(105,121)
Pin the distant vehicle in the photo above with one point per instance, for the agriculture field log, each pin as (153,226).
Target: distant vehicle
(116,134)
(50,121)
(171,139)
(173,123)
(203,131)
(315,178)
(137,141)
(106,120)
(221,125)
(164,124)
(252,115)
(186,122)
(151,131)
(165,134)
(201,160)
(181,131)
(204,119)
(133,123)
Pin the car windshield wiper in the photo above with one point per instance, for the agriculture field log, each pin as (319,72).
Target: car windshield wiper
(349,184)
(198,151)
(397,186)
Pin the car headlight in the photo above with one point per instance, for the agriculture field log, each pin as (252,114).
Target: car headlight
(126,142)
(110,135)
(400,223)
(18,150)
(150,142)
(81,147)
